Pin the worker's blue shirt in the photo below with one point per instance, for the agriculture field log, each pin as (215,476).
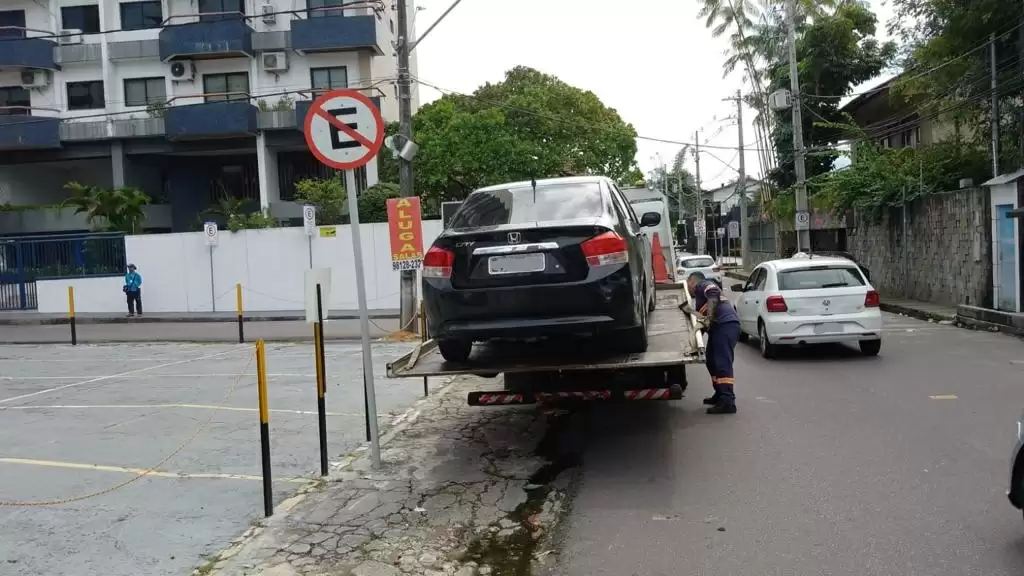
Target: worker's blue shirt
(707,289)
(133,281)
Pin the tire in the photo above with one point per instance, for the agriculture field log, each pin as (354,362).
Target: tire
(769,351)
(653,301)
(455,350)
(744,337)
(634,340)
(870,347)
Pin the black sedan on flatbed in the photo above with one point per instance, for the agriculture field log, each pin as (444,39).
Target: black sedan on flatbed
(564,256)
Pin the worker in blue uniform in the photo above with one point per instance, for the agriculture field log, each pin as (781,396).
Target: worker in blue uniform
(721,322)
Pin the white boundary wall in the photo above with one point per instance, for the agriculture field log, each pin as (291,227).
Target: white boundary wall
(270,264)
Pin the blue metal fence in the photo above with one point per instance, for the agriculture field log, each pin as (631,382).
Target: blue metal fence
(25,259)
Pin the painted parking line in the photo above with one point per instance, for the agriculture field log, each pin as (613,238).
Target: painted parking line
(112,376)
(139,376)
(945,397)
(187,406)
(154,473)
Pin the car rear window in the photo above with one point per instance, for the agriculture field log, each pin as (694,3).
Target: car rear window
(696,262)
(517,205)
(820,277)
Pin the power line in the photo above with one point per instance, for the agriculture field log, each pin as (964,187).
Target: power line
(935,68)
(567,121)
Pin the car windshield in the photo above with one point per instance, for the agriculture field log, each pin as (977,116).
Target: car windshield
(696,262)
(820,277)
(518,205)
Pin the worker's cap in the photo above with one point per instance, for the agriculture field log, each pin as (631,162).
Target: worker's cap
(131,265)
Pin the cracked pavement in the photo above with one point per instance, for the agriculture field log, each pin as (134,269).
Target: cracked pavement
(453,497)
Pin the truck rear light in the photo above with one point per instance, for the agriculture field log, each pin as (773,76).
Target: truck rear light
(604,249)
(871,299)
(437,263)
(775,304)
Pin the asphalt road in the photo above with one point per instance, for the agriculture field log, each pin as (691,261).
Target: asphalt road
(836,464)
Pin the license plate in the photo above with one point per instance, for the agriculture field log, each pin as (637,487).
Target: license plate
(828,328)
(515,264)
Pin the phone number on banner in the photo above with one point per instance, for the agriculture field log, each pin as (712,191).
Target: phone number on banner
(407,265)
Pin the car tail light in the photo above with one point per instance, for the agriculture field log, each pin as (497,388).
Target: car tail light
(775,304)
(437,263)
(871,299)
(607,248)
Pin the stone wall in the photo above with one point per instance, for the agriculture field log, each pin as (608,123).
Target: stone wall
(948,250)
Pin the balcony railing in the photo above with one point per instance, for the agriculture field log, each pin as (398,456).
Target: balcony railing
(214,35)
(356,26)
(20,130)
(233,116)
(28,52)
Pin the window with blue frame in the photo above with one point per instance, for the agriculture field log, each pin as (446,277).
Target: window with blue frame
(332,78)
(12,23)
(141,15)
(85,18)
(213,10)
(15,101)
(319,8)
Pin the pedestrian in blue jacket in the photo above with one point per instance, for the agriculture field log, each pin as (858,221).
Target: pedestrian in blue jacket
(133,291)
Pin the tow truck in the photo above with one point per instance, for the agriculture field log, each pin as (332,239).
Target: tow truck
(543,371)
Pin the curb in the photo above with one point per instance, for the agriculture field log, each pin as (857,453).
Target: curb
(80,320)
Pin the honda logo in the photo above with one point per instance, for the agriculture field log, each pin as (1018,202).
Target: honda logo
(826,303)
(514,237)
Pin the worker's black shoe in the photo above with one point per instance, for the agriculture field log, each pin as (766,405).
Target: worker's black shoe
(722,409)
(711,400)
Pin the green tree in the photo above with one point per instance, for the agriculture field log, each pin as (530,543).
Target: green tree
(118,209)
(373,202)
(529,125)
(327,195)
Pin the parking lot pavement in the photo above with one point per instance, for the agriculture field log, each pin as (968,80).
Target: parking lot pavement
(277,331)
(82,420)
(836,464)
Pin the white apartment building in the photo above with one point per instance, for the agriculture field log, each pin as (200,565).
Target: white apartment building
(189,100)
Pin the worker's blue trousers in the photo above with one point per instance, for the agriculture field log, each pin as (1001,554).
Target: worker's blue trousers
(722,339)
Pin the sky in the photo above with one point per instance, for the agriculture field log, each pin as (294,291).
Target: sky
(652,61)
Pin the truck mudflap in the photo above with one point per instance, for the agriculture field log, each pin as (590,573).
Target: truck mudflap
(504,398)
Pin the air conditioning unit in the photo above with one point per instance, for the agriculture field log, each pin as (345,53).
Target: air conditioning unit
(183,71)
(35,79)
(275,61)
(269,14)
(70,36)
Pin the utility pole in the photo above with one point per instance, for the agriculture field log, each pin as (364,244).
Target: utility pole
(803,237)
(995,104)
(701,238)
(407,287)
(741,185)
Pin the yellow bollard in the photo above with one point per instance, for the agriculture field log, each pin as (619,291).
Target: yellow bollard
(261,385)
(238,307)
(71,315)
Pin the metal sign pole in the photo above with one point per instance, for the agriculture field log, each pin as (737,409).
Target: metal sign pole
(364,317)
(213,289)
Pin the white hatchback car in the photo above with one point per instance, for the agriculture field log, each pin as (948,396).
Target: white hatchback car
(688,264)
(809,300)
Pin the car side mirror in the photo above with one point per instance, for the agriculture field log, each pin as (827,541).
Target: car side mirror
(650,219)
(738,288)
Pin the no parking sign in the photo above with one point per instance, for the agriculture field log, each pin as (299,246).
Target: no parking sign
(211,233)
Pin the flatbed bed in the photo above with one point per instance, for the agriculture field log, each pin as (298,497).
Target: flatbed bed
(673,341)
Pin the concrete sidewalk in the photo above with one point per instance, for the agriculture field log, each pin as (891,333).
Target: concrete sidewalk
(912,308)
(33,318)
